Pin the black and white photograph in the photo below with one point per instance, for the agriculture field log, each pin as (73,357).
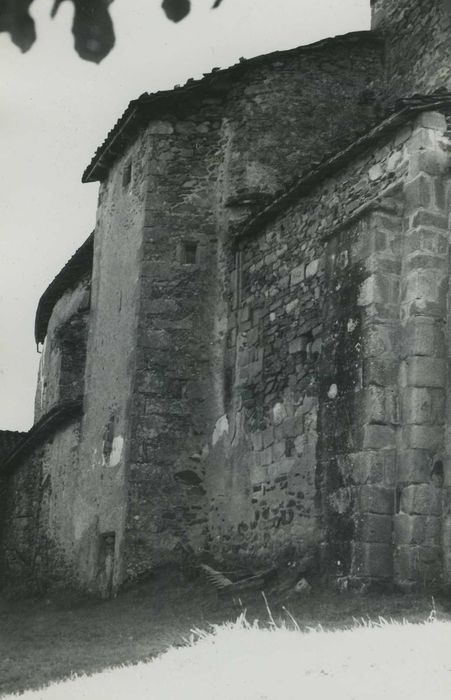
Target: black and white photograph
(225,379)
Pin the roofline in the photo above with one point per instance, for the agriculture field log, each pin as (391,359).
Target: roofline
(308,180)
(57,417)
(89,174)
(71,273)
(210,81)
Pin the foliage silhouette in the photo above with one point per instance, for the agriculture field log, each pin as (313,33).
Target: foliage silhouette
(92,25)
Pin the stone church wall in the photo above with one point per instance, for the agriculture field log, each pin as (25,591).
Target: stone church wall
(173,390)
(324,378)
(267,391)
(199,161)
(39,538)
(105,444)
(63,361)
(291,109)
(418,52)
(294,325)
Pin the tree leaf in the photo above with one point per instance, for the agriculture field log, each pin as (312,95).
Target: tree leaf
(16,20)
(176,10)
(93,29)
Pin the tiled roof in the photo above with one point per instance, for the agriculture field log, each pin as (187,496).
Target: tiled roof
(141,110)
(79,265)
(405,109)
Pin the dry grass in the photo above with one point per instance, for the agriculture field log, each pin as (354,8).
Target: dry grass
(284,657)
(247,662)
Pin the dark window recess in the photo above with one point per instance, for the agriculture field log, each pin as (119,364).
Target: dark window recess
(127,175)
(398,495)
(228,385)
(108,435)
(238,279)
(188,477)
(176,388)
(189,253)
(437,474)
(105,570)
(289,447)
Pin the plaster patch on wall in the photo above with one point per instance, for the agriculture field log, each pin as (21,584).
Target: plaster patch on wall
(221,428)
(333,391)
(341,500)
(279,413)
(116,451)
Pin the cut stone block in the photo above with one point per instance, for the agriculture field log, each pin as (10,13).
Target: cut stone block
(418,192)
(423,437)
(414,466)
(372,560)
(376,499)
(372,527)
(421,499)
(426,371)
(423,336)
(417,529)
(378,437)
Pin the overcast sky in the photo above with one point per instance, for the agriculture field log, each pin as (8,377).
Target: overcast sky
(55,109)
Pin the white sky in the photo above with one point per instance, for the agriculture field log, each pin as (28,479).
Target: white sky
(55,109)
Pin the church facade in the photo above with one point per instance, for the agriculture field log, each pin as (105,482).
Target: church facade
(246,362)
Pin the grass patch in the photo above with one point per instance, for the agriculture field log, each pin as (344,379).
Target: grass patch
(51,639)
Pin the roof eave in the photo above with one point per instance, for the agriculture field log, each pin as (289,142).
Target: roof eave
(96,171)
(56,418)
(213,81)
(57,287)
(309,179)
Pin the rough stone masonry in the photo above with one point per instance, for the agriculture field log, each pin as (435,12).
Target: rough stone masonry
(246,363)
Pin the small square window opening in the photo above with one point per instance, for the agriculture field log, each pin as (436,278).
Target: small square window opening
(190,253)
(127,175)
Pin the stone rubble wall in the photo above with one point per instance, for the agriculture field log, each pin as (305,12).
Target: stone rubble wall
(317,436)
(173,391)
(289,111)
(39,509)
(269,503)
(274,397)
(207,165)
(38,521)
(418,51)
(325,382)
(153,380)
